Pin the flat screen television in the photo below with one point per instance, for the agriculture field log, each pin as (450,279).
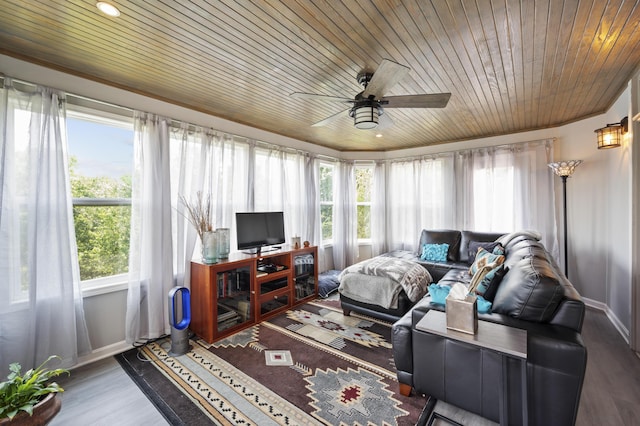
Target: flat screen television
(259,229)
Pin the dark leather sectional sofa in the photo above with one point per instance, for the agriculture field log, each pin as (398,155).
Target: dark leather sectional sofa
(533,295)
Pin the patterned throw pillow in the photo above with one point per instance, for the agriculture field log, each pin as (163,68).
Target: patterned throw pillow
(487,271)
(435,252)
(488,246)
(489,284)
(485,258)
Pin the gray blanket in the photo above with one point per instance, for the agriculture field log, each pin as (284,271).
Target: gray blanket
(380,280)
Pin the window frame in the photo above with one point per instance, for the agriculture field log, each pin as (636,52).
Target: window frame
(79,108)
(370,167)
(327,242)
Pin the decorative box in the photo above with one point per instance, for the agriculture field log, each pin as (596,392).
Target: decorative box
(462,314)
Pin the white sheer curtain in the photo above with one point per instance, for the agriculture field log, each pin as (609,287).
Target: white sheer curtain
(240,176)
(508,188)
(41,311)
(150,252)
(420,194)
(494,189)
(285,180)
(212,163)
(190,162)
(269,185)
(312,227)
(345,222)
(378,210)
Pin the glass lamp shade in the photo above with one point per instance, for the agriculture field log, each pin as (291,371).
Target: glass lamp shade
(365,117)
(565,168)
(609,137)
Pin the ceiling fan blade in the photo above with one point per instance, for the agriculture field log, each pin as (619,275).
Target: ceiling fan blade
(330,119)
(432,100)
(384,122)
(384,78)
(301,95)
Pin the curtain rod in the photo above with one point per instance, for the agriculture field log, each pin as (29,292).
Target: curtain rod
(458,151)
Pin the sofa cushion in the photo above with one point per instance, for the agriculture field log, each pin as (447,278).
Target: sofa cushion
(455,275)
(442,236)
(435,252)
(467,237)
(530,290)
(474,246)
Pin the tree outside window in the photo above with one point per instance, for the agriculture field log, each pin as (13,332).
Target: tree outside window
(364,183)
(326,201)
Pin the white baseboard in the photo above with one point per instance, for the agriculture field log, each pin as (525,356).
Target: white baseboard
(103,353)
(612,317)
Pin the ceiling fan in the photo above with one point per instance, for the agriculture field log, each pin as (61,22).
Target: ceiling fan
(368,106)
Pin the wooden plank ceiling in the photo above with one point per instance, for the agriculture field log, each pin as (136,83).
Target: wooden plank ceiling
(510,65)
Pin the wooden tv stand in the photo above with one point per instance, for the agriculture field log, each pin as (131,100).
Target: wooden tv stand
(232,294)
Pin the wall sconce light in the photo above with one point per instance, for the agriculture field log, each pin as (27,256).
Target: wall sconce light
(611,135)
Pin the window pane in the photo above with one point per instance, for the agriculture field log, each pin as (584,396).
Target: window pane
(493,203)
(326,216)
(102,235)
(364,221)
(326,183)
(364,180)
(326,201)
(364,183)
(101,161)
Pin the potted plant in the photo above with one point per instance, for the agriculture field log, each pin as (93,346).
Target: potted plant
(30,398)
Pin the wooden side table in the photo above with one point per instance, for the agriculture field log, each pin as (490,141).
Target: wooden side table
(508,342)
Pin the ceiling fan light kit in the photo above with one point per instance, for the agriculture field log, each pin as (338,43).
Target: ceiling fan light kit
(366,114)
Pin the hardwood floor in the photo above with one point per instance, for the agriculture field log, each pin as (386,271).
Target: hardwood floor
(611,390)
(103,394)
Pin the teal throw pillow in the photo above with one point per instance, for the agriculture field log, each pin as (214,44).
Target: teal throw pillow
(483,305)
(435,252)
(438,293)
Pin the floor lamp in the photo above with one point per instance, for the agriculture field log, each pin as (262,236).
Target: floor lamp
(564,169)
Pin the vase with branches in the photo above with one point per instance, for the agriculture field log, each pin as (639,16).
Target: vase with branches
(200,215)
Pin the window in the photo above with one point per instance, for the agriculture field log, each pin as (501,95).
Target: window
(326,201)
(17,230)
(493,202)
(364,182)
(101,163)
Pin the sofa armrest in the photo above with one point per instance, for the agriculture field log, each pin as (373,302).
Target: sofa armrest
(402,340)
(556,369)
(570,313)
(469,377)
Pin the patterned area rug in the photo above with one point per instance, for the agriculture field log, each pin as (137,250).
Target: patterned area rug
(341,372)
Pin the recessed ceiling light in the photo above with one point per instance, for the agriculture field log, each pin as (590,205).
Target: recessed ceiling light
(108,9)
(379,135)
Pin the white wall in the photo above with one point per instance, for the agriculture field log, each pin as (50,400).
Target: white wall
(598,195)
(599,213)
